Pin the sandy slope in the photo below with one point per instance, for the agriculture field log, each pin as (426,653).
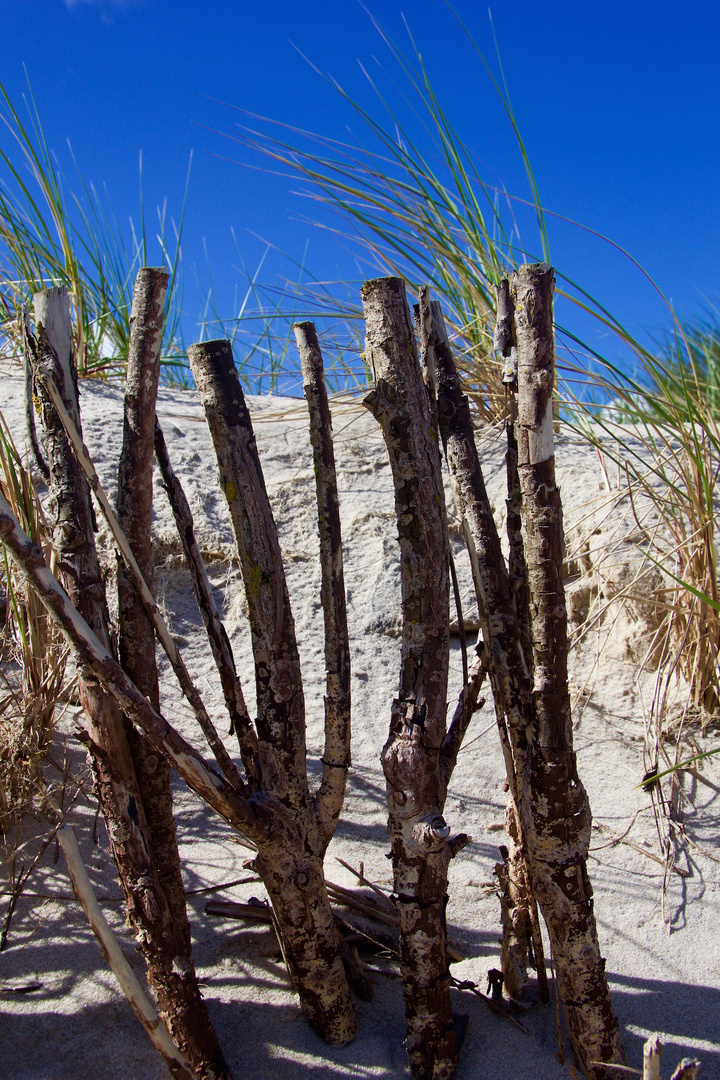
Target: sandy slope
(662,947)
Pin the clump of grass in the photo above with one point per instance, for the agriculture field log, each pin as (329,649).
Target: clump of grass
(419,208)
(433,218)
(33,654)
(671,475)
(52,235)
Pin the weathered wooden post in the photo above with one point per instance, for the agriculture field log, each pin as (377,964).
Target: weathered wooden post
(505,653)
(108,738)
(415,790)
(299,826)
(556,814)
(273,805)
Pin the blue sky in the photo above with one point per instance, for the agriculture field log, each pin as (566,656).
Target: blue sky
(617,104)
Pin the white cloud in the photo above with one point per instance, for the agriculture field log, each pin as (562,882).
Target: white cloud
(103,5)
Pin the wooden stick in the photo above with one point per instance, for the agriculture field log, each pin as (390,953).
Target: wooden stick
(651,1058)
(172,969)
(687,1069)
(114,957)
(469,701)
(419,834)
(361,877)
(336,754)
(558,856)
(240,722)
(492,1005)
(106,736)
(164,636)
(92,657)
(28,344)
(506,658)
(290,861)
(363,905)
(136,637)
(279,692)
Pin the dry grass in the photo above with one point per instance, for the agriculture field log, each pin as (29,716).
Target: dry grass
(33,655)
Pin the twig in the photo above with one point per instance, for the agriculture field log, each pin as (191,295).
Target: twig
(642,851)
(113,954)
(361,877)
(336,752)
(92,657)
(364,906)
(28,341)
(617,839)
(221,755)
(240,722)
(231,909)
(492,1005)
(469,702)
(620,1068)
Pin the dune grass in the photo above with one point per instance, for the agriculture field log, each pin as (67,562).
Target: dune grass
(33,653)
(430,221)
(414,201)
(51,234)
(431,217)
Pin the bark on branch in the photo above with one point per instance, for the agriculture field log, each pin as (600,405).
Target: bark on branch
(506,659)
(118,785)
(557,829)
(240,722)
(411,757)
(336,755)
(148,601)
(139,1002)
(290,860)
(188,1020)
(97,665)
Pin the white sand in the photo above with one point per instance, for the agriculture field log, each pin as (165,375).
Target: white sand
(662,946)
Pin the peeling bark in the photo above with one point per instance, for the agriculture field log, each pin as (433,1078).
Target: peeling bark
(557,829)
(411,757)
(116,778)
(516,903)
(40,462)
(336,754)
(134,501)
(468,704)
(171,970)
(289,858)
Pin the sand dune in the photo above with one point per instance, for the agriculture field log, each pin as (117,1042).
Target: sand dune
(660,931)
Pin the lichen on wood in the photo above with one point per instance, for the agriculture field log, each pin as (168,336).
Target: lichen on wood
(107,736)
(415,784)
(289,858)
(556,815)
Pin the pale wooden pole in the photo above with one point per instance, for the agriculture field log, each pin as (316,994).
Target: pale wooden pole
(651,1058)
(107,735)
(141,1006)
(506,654)
(556,814)
(171,970)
